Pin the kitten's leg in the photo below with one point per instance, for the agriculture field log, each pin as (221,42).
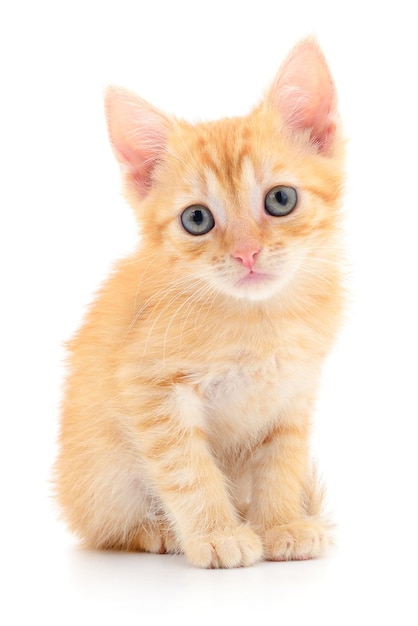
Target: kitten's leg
(153,535)
(110,504)
(277,508)
(191,487)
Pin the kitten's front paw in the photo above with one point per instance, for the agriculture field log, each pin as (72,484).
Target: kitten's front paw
(229,548)
(298,541)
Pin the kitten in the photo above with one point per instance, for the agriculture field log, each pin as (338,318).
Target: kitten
(187,409)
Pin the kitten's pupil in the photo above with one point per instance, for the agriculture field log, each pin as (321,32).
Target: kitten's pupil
(197,217)
(281,197)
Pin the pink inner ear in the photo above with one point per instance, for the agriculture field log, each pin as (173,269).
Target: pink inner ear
(138,133)
(305,96)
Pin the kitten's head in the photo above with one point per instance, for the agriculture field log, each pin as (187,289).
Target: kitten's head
(249,205)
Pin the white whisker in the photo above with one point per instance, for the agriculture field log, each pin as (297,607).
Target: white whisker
(190,302)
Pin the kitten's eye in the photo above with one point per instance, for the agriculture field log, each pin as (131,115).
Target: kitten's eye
(197,220)
(280,201)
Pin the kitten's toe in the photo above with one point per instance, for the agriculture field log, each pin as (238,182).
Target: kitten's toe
(231,548)
(297,541)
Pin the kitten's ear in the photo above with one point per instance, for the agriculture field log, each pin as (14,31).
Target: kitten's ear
(304,93)
(138,134)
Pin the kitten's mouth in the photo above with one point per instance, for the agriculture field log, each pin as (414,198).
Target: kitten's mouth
(255,278)
(254,285)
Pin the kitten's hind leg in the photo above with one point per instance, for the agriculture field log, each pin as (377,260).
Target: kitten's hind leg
(153,535)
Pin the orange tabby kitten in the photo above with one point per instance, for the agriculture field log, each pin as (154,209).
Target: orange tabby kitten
(188,404)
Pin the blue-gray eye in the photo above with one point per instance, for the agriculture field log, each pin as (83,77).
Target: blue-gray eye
(197,220)
(280,201)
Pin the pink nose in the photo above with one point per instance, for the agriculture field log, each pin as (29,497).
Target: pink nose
(246,257)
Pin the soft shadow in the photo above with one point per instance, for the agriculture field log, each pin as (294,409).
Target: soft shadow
(150,584)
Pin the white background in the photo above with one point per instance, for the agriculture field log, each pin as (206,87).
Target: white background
(63,221)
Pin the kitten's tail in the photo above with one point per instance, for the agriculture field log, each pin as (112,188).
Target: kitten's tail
(314,502)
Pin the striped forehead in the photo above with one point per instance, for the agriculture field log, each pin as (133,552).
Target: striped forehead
(234,197)
(224,151)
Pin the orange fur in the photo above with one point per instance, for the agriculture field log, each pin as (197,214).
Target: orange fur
(186,416)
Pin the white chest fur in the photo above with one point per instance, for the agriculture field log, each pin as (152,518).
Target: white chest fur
(241,400)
